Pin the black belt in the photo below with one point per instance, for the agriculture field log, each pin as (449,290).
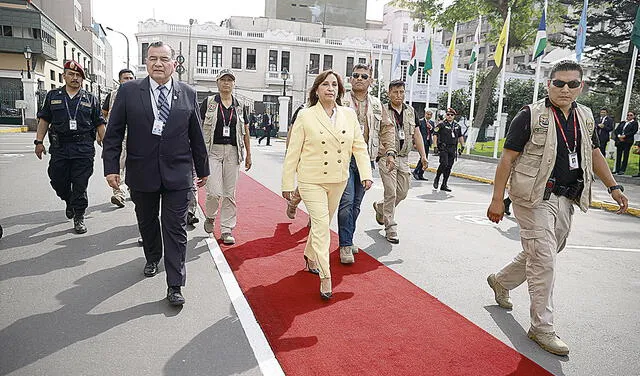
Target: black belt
(572,192)
(76,138)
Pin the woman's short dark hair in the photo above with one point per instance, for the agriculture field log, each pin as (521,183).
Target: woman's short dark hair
(313,96)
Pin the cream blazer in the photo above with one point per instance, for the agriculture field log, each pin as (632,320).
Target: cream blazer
(320,152)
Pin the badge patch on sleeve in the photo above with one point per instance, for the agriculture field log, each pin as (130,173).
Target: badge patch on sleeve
(56,101)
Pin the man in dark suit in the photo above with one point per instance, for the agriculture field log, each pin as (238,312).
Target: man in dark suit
(604,126)
(267,126)
(164,142)
(624,133)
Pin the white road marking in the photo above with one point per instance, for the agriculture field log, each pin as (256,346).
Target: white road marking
(610,249)
(262,351)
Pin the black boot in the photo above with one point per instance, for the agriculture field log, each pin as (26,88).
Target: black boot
(435,181)
(68,211)
(78,224)
(507,205)
(444,186)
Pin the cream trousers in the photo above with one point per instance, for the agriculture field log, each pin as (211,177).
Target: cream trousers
(221,185)
(543,232)
(396,188)
(322,202)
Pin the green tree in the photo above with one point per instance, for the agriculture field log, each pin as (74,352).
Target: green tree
(525,16)
(459,101)
(384,95)
(518,93)
(609,25)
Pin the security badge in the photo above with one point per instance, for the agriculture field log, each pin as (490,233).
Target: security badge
(157,128)
(543,124)
(73,125)
(573,161)
(226,131)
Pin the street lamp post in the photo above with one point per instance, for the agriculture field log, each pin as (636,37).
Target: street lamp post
(127,39)
(189,73)
(27,56)
(285,76)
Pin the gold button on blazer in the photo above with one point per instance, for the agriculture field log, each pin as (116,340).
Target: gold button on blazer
(320,152)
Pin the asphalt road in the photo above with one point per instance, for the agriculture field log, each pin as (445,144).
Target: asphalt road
(78,304)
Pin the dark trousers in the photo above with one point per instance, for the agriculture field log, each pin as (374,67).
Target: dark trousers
(349,208)
(170,231)
(622,156)
(418,170)
(447,157)
(70,178)
(267,134)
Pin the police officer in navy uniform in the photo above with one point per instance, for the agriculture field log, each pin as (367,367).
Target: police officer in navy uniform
(446,136)
(71,116)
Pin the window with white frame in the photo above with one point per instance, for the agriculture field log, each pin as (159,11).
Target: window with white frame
(216,56)
(201,55)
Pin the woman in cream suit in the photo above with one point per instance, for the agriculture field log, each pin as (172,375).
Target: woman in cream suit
(323,138)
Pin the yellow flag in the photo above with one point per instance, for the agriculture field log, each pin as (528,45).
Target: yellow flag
(502,41)
(448,61)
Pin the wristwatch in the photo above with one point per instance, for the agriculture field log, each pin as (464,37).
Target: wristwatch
(614,187)
(38,142)
(391,154)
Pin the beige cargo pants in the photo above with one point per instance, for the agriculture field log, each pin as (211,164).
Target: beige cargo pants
(543,233)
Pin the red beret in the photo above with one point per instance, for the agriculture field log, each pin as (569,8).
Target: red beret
(74,66)
(452,111)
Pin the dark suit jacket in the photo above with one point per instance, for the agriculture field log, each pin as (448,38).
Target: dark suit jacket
(604,133)
(629,132)
(155,161)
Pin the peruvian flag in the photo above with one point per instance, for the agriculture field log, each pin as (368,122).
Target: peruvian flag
(413,67)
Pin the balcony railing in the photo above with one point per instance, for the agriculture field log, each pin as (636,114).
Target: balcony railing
(205,73)
(273,78)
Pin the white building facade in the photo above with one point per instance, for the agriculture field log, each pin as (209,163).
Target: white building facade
(259,49)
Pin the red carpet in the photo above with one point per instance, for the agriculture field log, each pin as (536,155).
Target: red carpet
(377,323)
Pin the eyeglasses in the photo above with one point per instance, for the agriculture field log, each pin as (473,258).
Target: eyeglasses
(450,114)
(358,75)
(572,84)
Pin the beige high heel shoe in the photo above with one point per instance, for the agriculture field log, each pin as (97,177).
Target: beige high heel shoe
(325,288)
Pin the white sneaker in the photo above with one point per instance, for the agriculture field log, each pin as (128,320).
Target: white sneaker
(355,249)
(549,341)
(346,255)
(227,238)
(501,294)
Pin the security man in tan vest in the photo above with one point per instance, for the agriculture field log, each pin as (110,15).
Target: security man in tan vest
(124,75)
(549,158)
(226,135)
(395,176)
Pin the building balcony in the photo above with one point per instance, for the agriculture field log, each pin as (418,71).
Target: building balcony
(205,73)
(274,78)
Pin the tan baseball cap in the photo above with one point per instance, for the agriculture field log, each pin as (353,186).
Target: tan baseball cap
(225,72)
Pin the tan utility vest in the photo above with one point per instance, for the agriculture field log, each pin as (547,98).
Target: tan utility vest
(374,120)
(534,166)
(112,100)
(408,125)
(211,119)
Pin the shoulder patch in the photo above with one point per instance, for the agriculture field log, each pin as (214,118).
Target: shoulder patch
(56,101)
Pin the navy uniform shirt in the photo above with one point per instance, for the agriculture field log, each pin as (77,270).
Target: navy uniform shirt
(519,134)
(73,143)
(448,133)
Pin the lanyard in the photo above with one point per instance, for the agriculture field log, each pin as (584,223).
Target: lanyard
(156,98)
(356,103)
(224,119)
(77,106)
(564,137)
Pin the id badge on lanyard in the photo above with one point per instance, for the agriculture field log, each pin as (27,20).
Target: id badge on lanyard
(73,125)
(158,126)
(574,163)
(401,134)
(226,125)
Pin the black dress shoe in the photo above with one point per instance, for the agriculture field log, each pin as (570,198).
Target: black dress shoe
(174,296)
(68,211)
(192,219)
(140,243)
(445,188)
(435,184)
(78,225)
(150,269)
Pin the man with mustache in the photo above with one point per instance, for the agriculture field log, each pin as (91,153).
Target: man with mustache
(71,116)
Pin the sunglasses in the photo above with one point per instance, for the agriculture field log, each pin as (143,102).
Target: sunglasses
(450,114)
(358,75)
(572,84)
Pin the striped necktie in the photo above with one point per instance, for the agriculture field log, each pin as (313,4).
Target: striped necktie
(163,105)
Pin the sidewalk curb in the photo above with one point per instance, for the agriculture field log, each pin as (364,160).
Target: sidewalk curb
(14,130)
(594,204)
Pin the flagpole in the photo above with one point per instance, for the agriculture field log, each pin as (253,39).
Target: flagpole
(449,80)
(539,62)
(473,133)
(632,70)
(380,72)
(496,138)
